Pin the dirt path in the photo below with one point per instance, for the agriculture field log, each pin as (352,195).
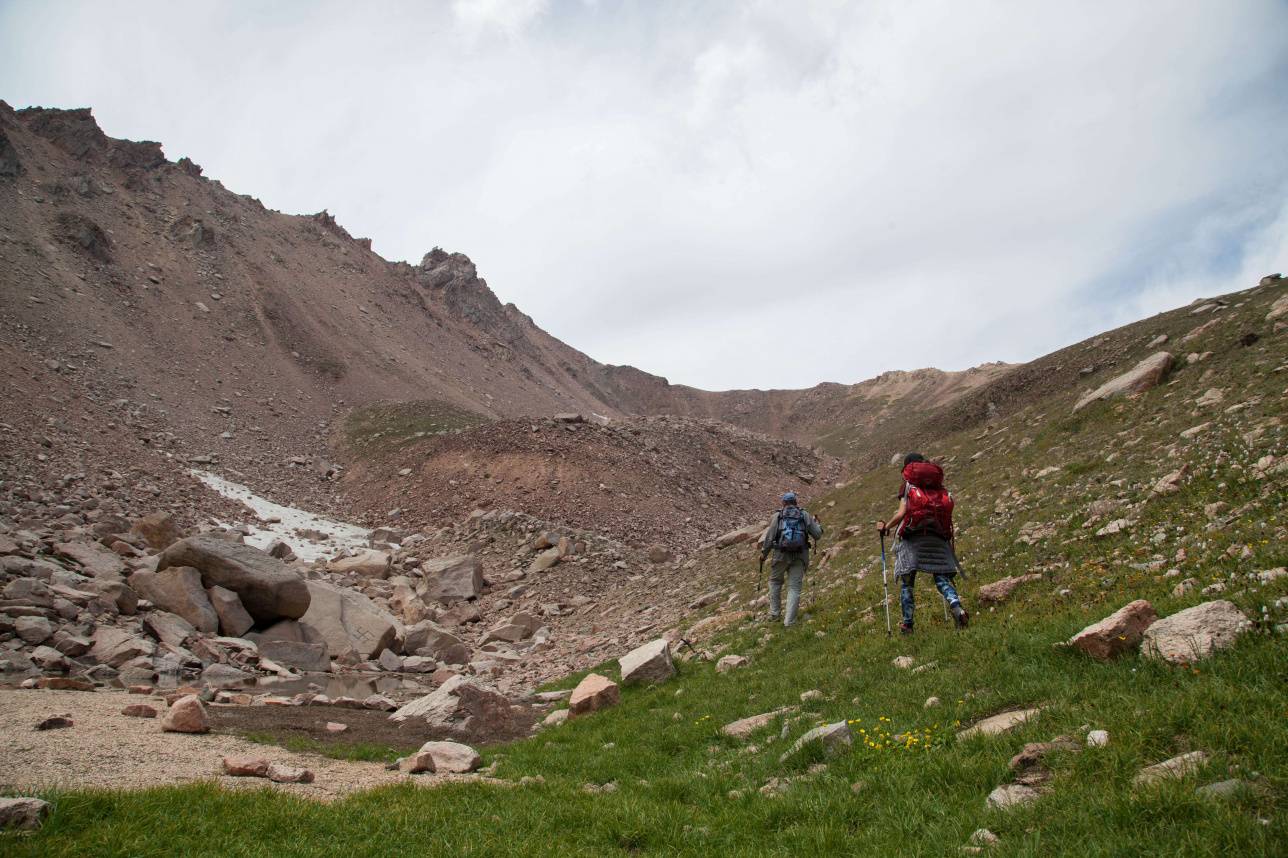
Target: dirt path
(107,749)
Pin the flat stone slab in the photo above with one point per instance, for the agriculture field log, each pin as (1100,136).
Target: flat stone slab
(1176,767)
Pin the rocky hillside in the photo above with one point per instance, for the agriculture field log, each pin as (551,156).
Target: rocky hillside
(671,480)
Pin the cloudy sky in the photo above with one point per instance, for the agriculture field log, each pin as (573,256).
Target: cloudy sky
(732,194)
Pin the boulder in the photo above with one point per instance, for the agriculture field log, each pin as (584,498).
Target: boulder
(449,580)
(114,647)
(97,561)
(159,530)
(368,563)
(832,737)
(244,766)
(742,534)
(186,715)
(1195,633)
(280,773)
(555,718)
(658,553)
(508,632)
(593,693)
(426,638)
(1011,795)
(1117,633)
(33,630)
(348,621)
(267,587)
(168,628)
(1146,374)
(730,662)
(744,727)
(547,559)
(233,619)
(449,757)
(1003,722)
(648,664)
(178,590)
(301,655)
(139,710)
(1176,767)
(22,813)
(463,706)
(221,675)
(48,658)
(999,591)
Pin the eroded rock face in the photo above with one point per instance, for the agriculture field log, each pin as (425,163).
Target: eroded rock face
(267,587)
(1117,633)
(1138,379)
(647,664)
(1195,633)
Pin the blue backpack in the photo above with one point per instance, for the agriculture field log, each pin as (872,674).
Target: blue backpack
(792,535)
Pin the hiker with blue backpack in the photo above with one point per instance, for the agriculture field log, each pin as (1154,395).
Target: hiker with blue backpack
(923,528)
(788,536)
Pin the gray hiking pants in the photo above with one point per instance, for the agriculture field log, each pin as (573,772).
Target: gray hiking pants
(793,570)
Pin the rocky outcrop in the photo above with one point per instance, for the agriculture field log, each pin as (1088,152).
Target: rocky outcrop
(267,587)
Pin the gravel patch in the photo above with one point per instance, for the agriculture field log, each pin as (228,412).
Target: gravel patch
(108,750)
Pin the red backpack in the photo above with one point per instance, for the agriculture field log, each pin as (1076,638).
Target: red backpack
(929,504)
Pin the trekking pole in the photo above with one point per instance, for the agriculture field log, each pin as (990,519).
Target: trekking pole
(760,573)
(885,585)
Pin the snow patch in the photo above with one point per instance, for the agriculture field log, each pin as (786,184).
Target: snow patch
(284,522)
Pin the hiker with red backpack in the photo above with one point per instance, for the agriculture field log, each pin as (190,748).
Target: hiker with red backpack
(788,535)
(923,527)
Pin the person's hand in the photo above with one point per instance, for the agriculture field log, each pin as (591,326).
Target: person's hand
(881,528)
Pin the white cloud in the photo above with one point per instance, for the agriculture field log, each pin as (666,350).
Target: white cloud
(734,194)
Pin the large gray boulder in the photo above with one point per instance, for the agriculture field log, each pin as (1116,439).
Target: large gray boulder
(233,619)
(647,664)
(348,621)
(114,647)
(1195,633)
(178,590)
(452,579)
(1138,379)
(267,587)
(308,657)
(427,638)
(368,562)
(463,706)
(168,628)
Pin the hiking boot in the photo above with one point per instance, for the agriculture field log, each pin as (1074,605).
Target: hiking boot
(960,617)
(905,628)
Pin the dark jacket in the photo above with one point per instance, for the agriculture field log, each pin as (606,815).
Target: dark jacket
(812,527)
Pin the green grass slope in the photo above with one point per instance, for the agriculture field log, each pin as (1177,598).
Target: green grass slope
(907,786)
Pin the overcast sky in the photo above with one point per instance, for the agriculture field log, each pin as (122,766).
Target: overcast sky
(732,194)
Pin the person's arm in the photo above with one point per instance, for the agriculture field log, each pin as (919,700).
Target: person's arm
(884,526)
(815,528)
